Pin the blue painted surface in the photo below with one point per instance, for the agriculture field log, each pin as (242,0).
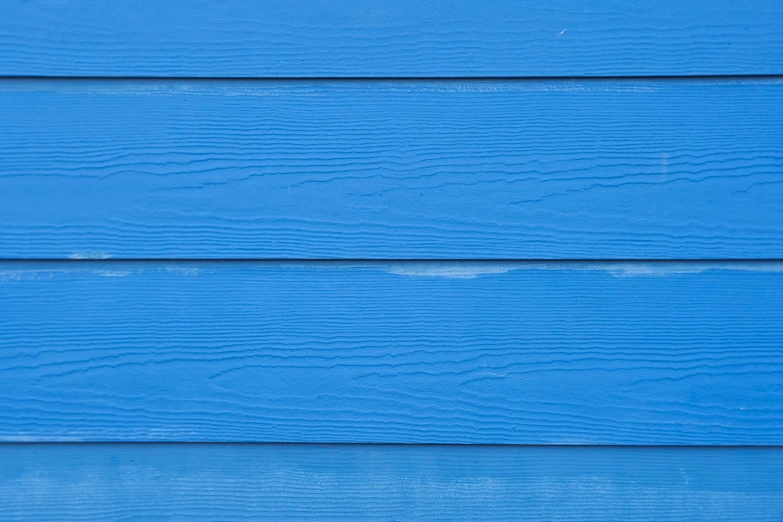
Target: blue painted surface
(532,353)
(353,482)
(161,133)
(389,170)
(442,38)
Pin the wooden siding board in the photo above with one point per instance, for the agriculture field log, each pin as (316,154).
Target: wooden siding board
(657,353)
(65,482)
(389,170)
(350,38)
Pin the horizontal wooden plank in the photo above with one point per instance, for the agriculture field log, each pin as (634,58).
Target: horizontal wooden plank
(354,482)
(390,170)
(296,38)
(666,353)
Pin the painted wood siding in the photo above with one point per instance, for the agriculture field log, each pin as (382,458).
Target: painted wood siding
(603,169)
(384,38)
(63,482)
(498,260)
(520,353)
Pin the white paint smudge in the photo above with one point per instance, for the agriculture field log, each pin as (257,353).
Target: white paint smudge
(89,255)
(183,270)
(677,268)
(113,273)
(468,270)
(450,270)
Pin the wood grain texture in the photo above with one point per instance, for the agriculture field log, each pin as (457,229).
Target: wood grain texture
(65,482)
(660,353)
(390,170)
(296,38)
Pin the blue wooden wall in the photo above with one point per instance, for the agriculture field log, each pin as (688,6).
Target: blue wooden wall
(391,260)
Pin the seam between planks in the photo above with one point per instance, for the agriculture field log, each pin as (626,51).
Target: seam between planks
(370,79)
(387,444)
(370,261)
